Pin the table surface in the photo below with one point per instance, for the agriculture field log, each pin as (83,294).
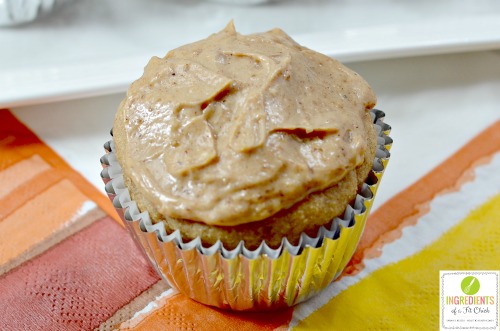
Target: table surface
(93,41)
(435,104)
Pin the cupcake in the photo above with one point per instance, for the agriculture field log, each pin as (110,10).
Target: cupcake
(245,167)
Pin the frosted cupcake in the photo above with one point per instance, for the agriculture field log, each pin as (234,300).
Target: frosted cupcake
(247,147)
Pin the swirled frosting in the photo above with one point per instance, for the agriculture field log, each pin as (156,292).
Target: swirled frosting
(233,128)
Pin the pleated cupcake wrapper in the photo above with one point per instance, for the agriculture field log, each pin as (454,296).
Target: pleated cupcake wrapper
(243,279)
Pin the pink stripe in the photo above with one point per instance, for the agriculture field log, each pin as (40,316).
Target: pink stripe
(77,284)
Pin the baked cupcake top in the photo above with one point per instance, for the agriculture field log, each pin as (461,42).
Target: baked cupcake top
(233,128)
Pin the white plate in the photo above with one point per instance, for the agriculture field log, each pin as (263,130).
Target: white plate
(87,48)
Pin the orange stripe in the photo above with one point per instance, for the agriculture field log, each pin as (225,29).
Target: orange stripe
(182,313)
(27,191)
(39,219)
(8,156)
(17,142)
(20,172)
(411,202)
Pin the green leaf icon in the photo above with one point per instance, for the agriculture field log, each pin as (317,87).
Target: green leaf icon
(470,285)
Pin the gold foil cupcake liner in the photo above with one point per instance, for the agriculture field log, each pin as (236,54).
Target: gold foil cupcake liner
(243,279)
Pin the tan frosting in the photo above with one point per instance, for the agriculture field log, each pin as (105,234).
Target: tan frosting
(232,129)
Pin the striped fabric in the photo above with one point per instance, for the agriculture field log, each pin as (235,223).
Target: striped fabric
(66,262)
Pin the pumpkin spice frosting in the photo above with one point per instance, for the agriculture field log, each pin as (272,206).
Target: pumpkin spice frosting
(233,129)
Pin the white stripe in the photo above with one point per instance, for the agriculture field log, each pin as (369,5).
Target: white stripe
(86,207)
(155,304)
(445,212)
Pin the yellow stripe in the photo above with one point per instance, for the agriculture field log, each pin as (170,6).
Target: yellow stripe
(405,295)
